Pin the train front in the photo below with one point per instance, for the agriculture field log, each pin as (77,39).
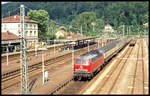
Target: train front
(82,68)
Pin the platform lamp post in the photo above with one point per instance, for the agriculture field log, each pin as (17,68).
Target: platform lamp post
(7,55)
(54,46)
(98,42)
(8,52)
(43,70)
(72,43)
(88,44)
(36,46)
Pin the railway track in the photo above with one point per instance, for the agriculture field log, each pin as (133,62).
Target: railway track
(120,71)
(136,79)
(77,87)
(143,67)
(100,88)
(17,56)
(14,72)
(34,72)
(35,67)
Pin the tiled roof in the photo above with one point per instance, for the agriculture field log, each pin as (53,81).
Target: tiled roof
(9,36)
(16,18)
(63,32)
(62,27)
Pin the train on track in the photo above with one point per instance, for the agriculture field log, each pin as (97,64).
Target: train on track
(86,65)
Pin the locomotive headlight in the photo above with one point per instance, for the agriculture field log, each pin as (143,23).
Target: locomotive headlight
(81,67)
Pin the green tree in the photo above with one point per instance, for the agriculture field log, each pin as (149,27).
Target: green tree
(41,17)
(85,20)
(52,29)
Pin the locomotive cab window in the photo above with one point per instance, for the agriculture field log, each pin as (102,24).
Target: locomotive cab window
(85,62)
(78,61)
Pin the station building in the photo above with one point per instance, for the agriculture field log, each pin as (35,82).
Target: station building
(12,24)
(10,42)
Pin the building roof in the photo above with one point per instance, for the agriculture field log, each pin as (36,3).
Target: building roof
(62,27)
(63,32)
(9,36)
(108,25)
(16,18)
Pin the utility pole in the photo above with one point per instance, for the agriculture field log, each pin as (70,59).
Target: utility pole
(123,31)
(145,30)
(23,56)
(48,30)
(127,30)
(9,14)
(81,29)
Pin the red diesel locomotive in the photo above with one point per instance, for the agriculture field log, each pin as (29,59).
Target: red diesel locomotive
(86,64)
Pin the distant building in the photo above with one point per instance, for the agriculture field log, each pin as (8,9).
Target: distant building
(61,33)
(10,41)
(12,24)
(146,24)
(108,28)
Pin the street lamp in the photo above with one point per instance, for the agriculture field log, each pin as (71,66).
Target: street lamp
(43,49)
(72,43)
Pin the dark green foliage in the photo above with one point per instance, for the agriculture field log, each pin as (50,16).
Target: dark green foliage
(114,13)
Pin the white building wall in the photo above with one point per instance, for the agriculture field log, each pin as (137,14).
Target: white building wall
(11,27)
(15,28)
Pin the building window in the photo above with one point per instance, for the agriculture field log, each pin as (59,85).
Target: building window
(30,25)
(30,33)
(5,26)
(19,32)
(34,26)
(34,33)
(26,25)
(26,33)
